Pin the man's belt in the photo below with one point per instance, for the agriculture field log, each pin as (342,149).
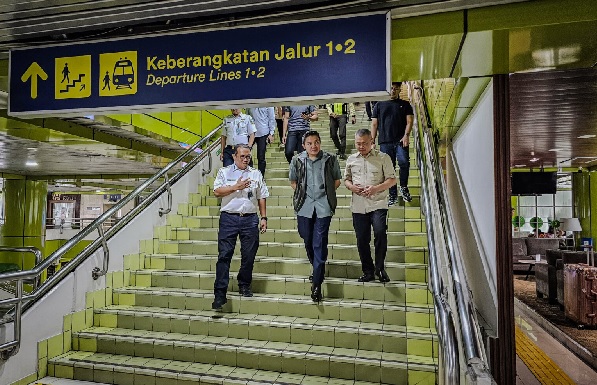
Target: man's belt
(239,214)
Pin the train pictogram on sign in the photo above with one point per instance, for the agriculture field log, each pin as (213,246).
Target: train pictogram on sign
(118,73)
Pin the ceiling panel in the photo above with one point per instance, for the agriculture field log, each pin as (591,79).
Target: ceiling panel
(32,158)
(549,111)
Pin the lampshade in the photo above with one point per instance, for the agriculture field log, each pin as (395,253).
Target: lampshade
(570,224)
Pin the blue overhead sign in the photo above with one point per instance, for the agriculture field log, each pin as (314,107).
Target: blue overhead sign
(333,58)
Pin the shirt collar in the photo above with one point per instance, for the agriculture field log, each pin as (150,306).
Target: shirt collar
(373,152)
(319,156)
(235,168)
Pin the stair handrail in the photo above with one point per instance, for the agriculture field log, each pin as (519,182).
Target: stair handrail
(449,372)
(469,332)
(26,249)
(23,302)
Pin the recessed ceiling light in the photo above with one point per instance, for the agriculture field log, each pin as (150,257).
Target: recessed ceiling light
(533,159)
(586,136)
(31,163)
(555,149)
(519,165)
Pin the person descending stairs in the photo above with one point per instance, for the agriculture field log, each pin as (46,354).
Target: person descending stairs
(154,324)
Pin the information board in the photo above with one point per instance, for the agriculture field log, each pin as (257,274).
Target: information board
(329,58)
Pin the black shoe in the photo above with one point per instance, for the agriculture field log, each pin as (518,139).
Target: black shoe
(392,201)
(316,293)
(405,194)
(366,277)
(218,303)
(382,276)
(245,291)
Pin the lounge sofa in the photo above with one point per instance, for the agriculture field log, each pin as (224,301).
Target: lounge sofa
(546,274)
(527,248)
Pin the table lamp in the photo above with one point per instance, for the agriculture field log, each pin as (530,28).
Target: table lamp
(571,224)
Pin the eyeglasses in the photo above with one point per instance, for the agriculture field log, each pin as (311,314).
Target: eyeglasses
(244,156)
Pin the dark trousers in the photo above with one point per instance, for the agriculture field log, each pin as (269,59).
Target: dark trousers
(369,108)
(314,232)
(338,132)
(227,159)
(362,227)
(231,227)
(261,143)
(280,126)
(294,142)
(397,152)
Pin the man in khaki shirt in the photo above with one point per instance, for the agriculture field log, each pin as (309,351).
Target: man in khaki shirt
(369,174)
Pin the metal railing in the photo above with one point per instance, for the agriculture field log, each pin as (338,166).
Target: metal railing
(18,292)
(25,250)
(23,302)
(76,223)
(452,298)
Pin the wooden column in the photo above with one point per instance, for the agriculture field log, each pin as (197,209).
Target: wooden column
(503,349)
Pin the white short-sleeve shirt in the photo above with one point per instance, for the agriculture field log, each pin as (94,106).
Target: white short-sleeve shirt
(241,201)
(237,129)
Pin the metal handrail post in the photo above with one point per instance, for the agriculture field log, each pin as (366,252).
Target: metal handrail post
(167,210)
(97,272)
(11,348)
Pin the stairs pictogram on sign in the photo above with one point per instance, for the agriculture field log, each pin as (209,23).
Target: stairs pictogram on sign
(72,77)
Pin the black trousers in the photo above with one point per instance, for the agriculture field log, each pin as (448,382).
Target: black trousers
(280,126)
(261,143)
(293,143)
(231,227)
(362,224)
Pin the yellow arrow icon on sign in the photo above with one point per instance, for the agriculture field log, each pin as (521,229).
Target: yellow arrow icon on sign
(33,72)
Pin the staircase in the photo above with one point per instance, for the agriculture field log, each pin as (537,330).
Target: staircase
(157,327)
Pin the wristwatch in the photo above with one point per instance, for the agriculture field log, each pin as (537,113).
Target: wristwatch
(262,218)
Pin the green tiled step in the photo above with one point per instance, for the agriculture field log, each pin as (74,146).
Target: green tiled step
(335,334)
(411,272)
(250,353)
(418,315)
(289,223)
(400,254)
(280,211)
(395,292)
(291,235)
(121,369)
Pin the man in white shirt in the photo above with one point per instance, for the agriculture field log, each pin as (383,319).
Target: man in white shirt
(243,192)
(368,175)
(265,123)
(238,128)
